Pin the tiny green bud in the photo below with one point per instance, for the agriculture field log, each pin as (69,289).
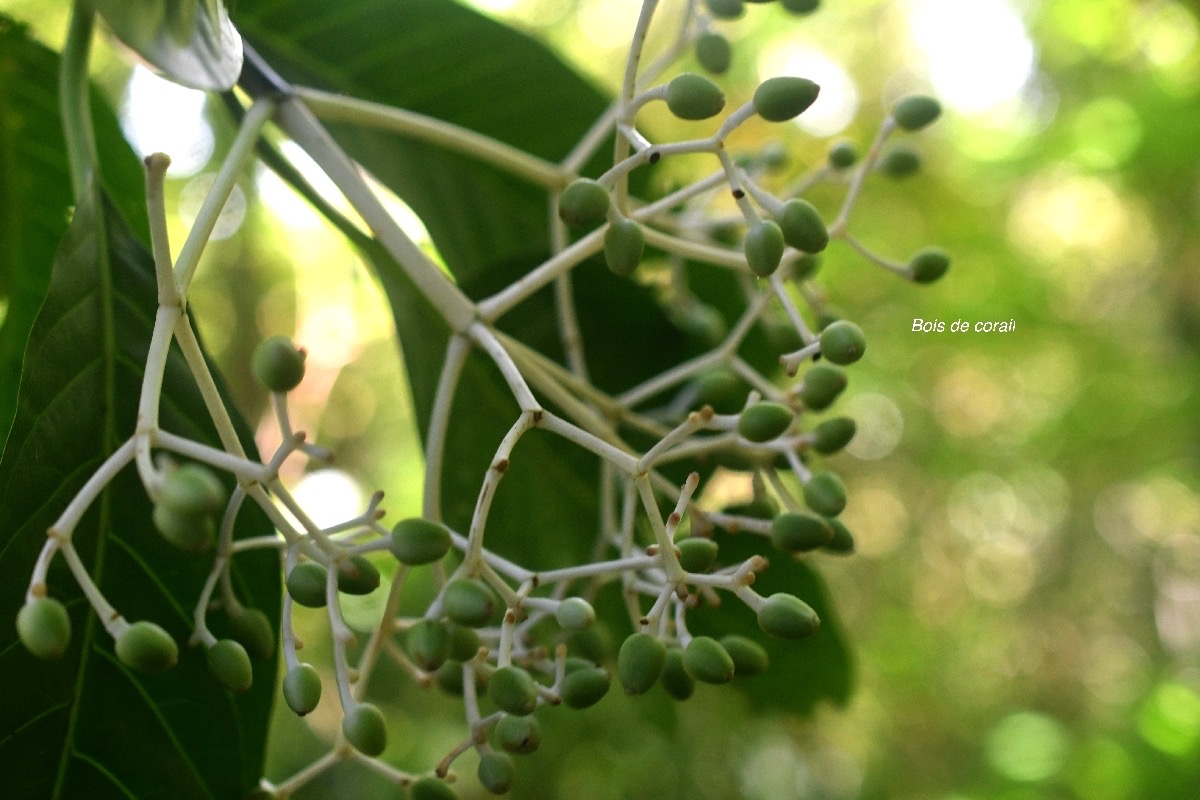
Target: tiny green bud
(428,644)
(365,728)
(803,227)
(842,342)
(44,627)
(843,155)
(781,99)
(749,657)
(764,421)
(675,678)
(640,662)
(798,533)
(302,688)
(357,575)
(825,494)
(230,664)
(278,364)
(786,616)
(694,97)
(192,490)
(842,543)
(624,243)
(929,264)
(583,203)
(705,660)
(899,162)
(575,614)
(714,52)
(763,247)
(833,434)
(428,788)
(801,7)
(512,689)
(517,734)
(583,688)
(419,541)
(696,554)
(306,584)
(915,112)
(496,772)
(146,647)
(470,602)
(252,628)
(725,9)
(822,384)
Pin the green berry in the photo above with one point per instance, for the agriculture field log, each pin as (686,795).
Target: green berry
(192,533)
(365,728)
(583,203)
(721,388)
(419,541)
(749,657)
(763,247)
(705,660)
(302,688)
(278,364)
(781,99)
(798,533)
(803,227)
(357,575)
(306,584)
(469,602)
(758,508)
(786,616)
(512,689)
(801,7)
(805,266)
(701,321)
(714,52)
(595,644)
(496,772)
(928,265)
(833,434)
(764,421)
(640,662)
(584,687)
(575,614)
(517,734)
(842,342)
(192,490)
(450,676)
(694,97)
(842,543)
(464,643)
(825,494)
(624,243)
(146,647)
(252,628)
(843,155)
(696,554)
(725,9)
(675,678)
(822,384)
(899,162)
(230,664)
(432,789)
(915,112)
(44,627)
(428,644)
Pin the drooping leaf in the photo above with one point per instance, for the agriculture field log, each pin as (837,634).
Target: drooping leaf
(85,725)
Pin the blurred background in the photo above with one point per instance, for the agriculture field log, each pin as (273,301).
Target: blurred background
(1024,606)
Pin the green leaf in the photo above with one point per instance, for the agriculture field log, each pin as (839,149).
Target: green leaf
(84,725)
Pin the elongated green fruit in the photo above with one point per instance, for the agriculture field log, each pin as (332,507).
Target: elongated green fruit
(928,265)
(694,97)
(825,494)
(696,554)
(428,644)
(624,243)
(721,388)
(763,247)
(146,647)
(842,342)
(469,602)
(585,686)
(365,728)
(764,421)
(252,628)
(705,660)
(714,52)
(786,616)
(419,541)
(432,789)
(464,643)
(843,155)
(842,543)
(496,772)
(781,99)
(192,490)
(899,162)
(357,575)
(675,678)
(803,227)
(575,614)
(517,734)
(725,9)
(512,689)
(306,584)
(230,664)
(833,434)
(640,662)
(822,385)
(44,627)
(583,203)
(915,112)
(749,657)
(192,533)
(450,677)
(798,533)
(278,364)
(302,688)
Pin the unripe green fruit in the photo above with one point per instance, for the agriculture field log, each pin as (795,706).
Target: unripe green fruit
(357,575)
(583,203)
(843,155)
(519,735)
(899,162)
(306,584)
(694,97)
(763,247)
(624,243)
(825,494)
(725,9)
(915,112)
(764,421)
(696,554)
(230,664)
(721,388)
(801,7)
(758,508)
(842,342)
(595,644)
(705,660)
(449,677)
(786,616)
(749,657)
(469,602)
(575,614)
(714,52)
(640,662)
(192,533)
(822,384)
(278,364)
(799,533)
(302,688)
(464,643)
(146,647)
(805,266)
(512,689)
(432,789)
(44,627)
(496,772)
(583,688)
(365,728)
(419,541)
(929,264)
(192,490)
(701,321)
(833,434)
(252,628)
(781,99)
(428,644)
(842,543)
(803,227)
(675,678)
(574,663)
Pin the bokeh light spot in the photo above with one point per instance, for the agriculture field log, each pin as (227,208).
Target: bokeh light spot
(1027,746)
